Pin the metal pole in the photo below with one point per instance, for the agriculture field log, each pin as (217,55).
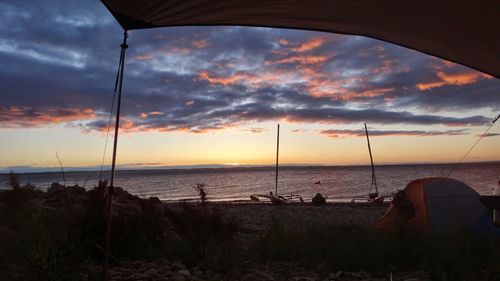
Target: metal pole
(111,187)
(374,179)
(277,155)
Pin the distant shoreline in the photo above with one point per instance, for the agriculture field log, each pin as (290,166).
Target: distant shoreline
(227,168)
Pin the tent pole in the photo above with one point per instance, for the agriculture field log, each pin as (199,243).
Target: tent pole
(277,157)
(111,188)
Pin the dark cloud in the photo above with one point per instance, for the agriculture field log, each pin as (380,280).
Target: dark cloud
(490,135)
(298,131)
(59,62)
(377,133)
(198,122)
(255,130)
(20,117)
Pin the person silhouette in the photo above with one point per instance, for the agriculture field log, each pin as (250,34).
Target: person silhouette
(319,199)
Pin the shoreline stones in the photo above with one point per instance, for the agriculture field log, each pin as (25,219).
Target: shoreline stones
(165,270)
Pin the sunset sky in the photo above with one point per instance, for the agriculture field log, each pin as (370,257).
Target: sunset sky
(213,95)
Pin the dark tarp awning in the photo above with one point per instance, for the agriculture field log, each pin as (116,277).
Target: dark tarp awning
(465,32)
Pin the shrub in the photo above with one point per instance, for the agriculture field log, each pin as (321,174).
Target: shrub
(204,229)
(19,198)
(38,243)
(356,249)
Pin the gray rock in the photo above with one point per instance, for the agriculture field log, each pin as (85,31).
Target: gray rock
(178,265)
(264,275)
(166,267)
(151,273)
(184,272)
(249,277)
(302,279)
(136,276)
(364,274)
(136,264)
(355,275)
(179,277)
(257,276)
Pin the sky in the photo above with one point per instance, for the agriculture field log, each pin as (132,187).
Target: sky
(214,95)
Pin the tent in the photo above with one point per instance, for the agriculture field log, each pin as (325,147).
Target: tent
(433,205)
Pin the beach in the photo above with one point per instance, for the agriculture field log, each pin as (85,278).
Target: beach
(256,218)
(204,240)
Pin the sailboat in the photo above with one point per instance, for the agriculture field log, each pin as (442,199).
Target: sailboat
(274,197)
(373,196)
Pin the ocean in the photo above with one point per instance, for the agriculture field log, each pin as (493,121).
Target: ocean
(238,183)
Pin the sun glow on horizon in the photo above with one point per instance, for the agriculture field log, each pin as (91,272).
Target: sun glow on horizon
(238,148)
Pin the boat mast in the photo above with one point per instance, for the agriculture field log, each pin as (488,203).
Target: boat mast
(277,155)
(374,179)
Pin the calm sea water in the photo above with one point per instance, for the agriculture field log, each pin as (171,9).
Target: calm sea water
(239,184)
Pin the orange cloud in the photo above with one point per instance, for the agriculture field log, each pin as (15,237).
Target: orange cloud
(156,113)
(135,125)
(175,51)
(457,79)
(185,129)
(283,41)
(429,85)
(244,77)
(462,78)
(200,44)
(126,125)
(143,57)
(344,94)
(26,117)
(144,115)
(390,66)
(204,75)
(337,89)
(280,52)
(310,45)
(375,92)
(301,59)
(254,130)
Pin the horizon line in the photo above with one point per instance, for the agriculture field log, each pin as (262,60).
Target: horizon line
(135,167)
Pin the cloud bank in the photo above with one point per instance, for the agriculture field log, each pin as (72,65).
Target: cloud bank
(200,79)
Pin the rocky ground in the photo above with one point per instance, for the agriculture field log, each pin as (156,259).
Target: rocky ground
(253,220)
(165,270)
(305,214)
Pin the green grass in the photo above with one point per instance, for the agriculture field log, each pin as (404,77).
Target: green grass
(38,242)
(41,243)
(355,249)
